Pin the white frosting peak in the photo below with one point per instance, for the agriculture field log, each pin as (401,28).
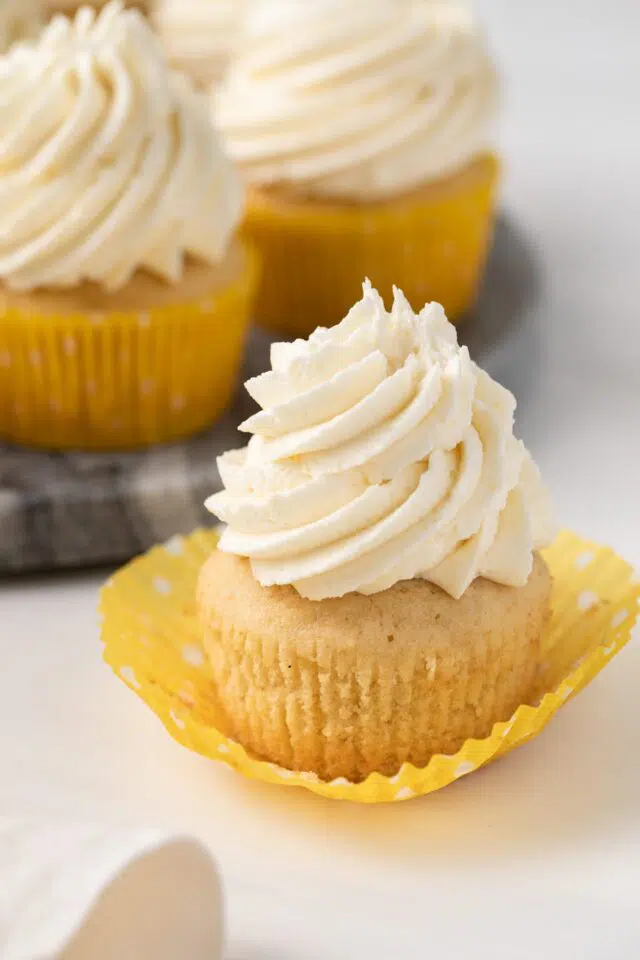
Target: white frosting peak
(381,453)
(362,99)
(108,161)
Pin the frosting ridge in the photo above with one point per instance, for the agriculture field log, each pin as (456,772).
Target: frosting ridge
(198,35)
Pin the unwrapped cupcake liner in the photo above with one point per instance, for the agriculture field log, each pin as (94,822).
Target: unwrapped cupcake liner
(432,245)
(122,380)
(153,641)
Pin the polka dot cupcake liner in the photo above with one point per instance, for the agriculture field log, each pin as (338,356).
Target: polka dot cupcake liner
(117,380)
(152,640)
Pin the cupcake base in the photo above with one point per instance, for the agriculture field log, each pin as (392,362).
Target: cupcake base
(150,363)
(358,685)
(432,243)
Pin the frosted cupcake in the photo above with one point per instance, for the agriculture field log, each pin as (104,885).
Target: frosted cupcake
(377,596)
(364,131)
(199,35)
(124,296)
(19,20)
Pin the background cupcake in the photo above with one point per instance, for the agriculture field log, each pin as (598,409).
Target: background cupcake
(198,35)
(377,596)
(124,298)
(364,131)
(19,20)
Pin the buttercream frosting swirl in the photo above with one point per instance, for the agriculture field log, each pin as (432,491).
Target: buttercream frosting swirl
(381,453)
(363,100)
(199,35)
(109,162)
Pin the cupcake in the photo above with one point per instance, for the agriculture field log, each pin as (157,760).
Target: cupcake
(198,35)
(19,20)
(364,133)
(124,295)
(377,595)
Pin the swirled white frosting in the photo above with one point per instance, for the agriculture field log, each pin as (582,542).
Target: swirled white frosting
(19,19)
(382,453)
(199,35)
(108,161)
(362,100)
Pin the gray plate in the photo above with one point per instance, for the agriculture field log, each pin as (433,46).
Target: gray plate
(80,509)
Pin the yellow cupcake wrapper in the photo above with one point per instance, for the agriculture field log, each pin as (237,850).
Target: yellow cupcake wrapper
(153,642)
(432,245)
(121,380)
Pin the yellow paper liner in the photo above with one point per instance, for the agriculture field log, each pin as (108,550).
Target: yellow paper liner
(153,642)
(122,380)
(432,244)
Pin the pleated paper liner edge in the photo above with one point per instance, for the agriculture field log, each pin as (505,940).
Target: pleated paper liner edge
(595,605)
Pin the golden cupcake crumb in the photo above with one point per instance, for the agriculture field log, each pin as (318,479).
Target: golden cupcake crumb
(360,684)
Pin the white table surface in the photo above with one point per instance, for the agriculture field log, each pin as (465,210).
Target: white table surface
(541,851)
